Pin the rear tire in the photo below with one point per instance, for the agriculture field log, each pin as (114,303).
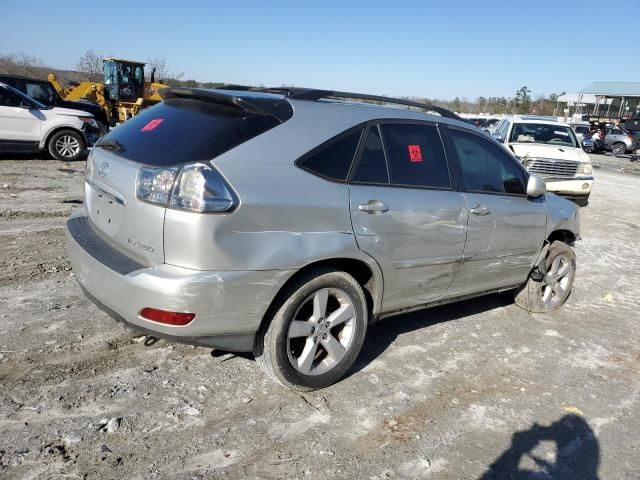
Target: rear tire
(66,145)
(316,332)
(554,289)
(618,148)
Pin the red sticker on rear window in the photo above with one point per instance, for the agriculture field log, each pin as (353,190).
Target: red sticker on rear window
(152,124)
(415,155)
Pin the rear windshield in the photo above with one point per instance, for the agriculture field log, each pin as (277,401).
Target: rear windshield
(186,130)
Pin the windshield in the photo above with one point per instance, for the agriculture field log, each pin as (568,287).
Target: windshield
(109,69)
(543,133)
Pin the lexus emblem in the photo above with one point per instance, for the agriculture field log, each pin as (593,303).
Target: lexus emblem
(104,169)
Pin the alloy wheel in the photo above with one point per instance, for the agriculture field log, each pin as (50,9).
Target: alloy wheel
(67,146)
(321,332)
(618,149)
(557,281)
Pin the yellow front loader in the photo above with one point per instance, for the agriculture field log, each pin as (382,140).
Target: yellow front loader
(123,92)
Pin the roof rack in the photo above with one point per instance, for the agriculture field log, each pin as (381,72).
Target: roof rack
(313,94)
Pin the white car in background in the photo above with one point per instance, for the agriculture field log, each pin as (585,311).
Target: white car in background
(550,149)
(26,125)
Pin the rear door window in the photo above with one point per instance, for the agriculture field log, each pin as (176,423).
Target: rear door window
(12,82)
(182,130)
(415,155)
(332,160)
(485,167)
(372,166)
(9,98)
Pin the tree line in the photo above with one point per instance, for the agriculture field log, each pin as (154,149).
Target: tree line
(89,68)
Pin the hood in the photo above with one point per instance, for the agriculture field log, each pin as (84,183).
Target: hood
(558,152)
(69,111)
(86,106)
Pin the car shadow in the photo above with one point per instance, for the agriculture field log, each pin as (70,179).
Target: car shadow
(577,453)
(381,335)
(26,156)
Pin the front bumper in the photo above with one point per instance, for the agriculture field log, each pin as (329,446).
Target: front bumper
(91,134)
(229,306)
(570,187)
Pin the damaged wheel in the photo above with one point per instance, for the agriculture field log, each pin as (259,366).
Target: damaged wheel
(315,336)
(550,293)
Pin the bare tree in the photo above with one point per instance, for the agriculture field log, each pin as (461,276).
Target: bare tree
(91,65)
(21,64)
(163,72)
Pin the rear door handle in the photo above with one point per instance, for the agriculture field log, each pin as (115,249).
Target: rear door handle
(373,206)
(480,210)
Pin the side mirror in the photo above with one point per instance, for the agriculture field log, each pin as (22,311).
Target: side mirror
(536,186)
(498,137)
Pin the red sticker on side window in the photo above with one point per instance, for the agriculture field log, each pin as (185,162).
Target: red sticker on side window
(152,124)
(415,155)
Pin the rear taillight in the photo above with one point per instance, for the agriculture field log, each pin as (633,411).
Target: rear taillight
(166,317)
(195,187)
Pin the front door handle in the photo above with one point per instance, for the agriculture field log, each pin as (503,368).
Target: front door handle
(373,206)
(480,210)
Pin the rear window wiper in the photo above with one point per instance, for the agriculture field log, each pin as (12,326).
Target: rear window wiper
(110,144)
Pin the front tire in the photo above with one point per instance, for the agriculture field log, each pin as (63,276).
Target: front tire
(582,201)
(317,332)
(552,291)
(66,145)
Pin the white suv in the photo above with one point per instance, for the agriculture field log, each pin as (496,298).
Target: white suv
(26,125)
(550,149)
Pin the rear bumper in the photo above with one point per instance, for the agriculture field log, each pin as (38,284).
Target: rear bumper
(229,306)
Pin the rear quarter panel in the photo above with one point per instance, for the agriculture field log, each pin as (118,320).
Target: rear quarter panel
(287,218)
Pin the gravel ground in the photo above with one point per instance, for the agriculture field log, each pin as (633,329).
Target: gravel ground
(478,389)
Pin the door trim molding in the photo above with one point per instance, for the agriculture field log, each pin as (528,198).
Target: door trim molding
(426,261)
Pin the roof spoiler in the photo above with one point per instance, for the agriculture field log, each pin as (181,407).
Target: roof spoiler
(279,109)
(312,94)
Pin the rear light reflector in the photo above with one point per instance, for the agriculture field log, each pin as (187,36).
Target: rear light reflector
(166,317)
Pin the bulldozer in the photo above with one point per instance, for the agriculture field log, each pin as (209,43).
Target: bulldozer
(123,92)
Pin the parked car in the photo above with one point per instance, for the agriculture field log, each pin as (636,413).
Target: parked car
(27,125)
(43,92)
(492,124)
(284,221)
(619,141)
(586,140)
(488,124)
(582,131)
(550,148)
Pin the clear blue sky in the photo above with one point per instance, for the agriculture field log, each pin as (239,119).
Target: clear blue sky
(439,49)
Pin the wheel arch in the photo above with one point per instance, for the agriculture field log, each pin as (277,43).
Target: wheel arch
(366,272)
(563,235)
(44,143)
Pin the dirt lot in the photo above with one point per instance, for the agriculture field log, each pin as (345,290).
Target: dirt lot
(444,393)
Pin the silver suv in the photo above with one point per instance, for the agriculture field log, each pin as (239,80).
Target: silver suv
(283,222)
(619,141)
